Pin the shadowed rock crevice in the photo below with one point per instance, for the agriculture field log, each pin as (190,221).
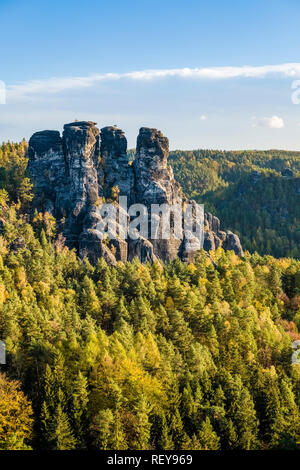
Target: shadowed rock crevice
(116,170)
(75,174)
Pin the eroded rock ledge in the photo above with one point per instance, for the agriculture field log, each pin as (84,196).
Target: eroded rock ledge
(74,173)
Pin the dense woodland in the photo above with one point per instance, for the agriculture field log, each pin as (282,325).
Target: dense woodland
(162,356)
(256,194)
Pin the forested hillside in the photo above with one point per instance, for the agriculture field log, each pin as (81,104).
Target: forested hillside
(161,356)
(255,194)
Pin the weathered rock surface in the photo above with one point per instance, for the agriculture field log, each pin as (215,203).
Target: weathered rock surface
(232,243)
(154,180)
(75,174)
(48,169)
(142,249)
(154,183)
(117,172)
(81,150)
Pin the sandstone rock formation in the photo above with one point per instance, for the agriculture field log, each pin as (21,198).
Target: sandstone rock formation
(76,174)
(116,171)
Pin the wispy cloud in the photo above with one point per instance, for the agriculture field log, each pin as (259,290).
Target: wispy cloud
(273,122)
(59,84)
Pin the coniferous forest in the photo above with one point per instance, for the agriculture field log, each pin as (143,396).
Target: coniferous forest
(164,356)
(255,193)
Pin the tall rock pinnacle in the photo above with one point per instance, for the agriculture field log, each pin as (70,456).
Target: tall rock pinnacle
(155,184)
(154,180)
(117,172)
(48,170)
(81,150)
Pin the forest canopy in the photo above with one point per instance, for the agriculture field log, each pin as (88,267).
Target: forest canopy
(256,194)
(140,356)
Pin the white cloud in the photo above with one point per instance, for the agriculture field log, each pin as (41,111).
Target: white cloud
(203,117)
(59,84)
(273,122)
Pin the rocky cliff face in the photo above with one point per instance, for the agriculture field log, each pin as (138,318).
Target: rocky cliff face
(116,171)
(48,169)
(74,175)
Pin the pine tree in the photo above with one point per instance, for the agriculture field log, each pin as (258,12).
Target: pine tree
(176,429)
(118,441)
(165,442)
(79,408)
(232,438)
(207,437)
(245,421)
(61,436)
(102,430)
(122,314)
(45,426)
(142,410)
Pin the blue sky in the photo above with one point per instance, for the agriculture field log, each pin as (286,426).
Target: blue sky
(69,60)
